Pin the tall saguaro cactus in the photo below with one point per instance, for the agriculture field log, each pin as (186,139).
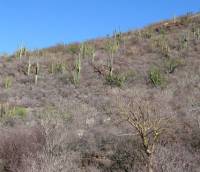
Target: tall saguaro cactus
(29,66)
(112,47)
(90,52)
(77,69)
(78,65)
(22,51)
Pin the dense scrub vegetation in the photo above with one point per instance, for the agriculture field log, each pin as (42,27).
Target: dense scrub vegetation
(126,103)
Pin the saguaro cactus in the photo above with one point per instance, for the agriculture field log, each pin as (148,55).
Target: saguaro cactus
(112,47)
(21,52)
(77,71)
(78,65)
(29,66)
(91,52)
(36,73)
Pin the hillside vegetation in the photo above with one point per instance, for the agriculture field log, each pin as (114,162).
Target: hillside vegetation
(126,103)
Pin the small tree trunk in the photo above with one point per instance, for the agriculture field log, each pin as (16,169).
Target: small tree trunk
(36,73)
(150,164)
(36,79)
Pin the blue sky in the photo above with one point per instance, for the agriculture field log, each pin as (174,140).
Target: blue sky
(42,23)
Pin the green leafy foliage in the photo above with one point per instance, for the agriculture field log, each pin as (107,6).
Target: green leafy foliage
(171,65)
(156,77)
(7,82)
(57,67)
(19,111)
(73,49)
(9,111)
(115,80)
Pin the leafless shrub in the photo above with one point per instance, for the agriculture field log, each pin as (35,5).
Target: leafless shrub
(175,158)
(127,155)
(55,155)
(148,124)
(15,143)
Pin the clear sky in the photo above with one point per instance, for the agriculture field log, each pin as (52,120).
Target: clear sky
(42,23)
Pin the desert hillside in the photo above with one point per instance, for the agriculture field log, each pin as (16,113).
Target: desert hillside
(129,102)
